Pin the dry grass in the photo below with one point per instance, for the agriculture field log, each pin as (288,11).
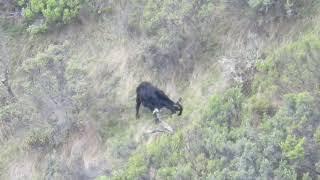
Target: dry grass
(113,67)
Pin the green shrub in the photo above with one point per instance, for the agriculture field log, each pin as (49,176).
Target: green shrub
(285,172)
(300,105)
(293,148)
(51,11)
(291,68)
(102,178)
(166,172)
(261,105)
(136,169)
(226,109)
(170,23)
(164,154)
(209,149)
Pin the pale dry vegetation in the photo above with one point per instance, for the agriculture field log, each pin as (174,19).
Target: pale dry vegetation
(246,70)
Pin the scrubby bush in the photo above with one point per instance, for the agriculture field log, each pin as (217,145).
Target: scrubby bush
(290,68)
(288,77)
(136,169)
(49,12)
(226,110)
(170,22)
(293,148)
(224,144)
(261,105)
(286,7)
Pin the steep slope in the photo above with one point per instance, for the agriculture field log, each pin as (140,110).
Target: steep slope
(248,78)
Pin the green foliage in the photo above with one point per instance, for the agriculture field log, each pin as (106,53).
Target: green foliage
(291,68)
(289,76)
(165,154)
(102,178)
(293,148)
(169,147)
(182,171)
(300,106)
(50,11)
(137,167)
(226,109)
(170,22)
(259,106)
(121,145)
(223,145)
(285,172)
(156,13)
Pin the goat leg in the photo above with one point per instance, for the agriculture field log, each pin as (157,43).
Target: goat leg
(156,115)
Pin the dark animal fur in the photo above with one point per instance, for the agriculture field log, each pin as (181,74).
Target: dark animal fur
(154,98)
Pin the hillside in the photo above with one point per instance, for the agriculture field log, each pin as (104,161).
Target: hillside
(247,72)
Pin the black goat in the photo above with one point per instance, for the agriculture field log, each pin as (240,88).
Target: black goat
(155,99)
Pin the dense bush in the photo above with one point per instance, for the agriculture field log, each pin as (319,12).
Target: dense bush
(288,76)
(291,68)
(48,12)
(282,143)
(276,149)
